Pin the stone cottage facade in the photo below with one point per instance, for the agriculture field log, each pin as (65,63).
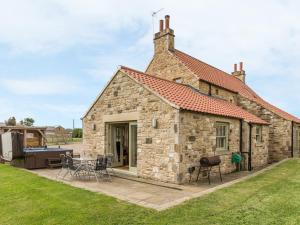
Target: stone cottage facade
(160,122)
(172,64)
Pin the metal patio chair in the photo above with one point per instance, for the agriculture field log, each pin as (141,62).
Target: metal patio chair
(110,160)
(64,166)
(101,167)
(73,168)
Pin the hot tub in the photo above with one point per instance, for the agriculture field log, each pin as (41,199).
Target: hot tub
(37,158)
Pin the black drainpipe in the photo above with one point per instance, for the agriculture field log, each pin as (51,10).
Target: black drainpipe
(292,152)
(241,141)
(241,136)
(250,148)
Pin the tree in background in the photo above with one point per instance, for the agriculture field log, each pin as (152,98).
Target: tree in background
(77,133)
(28,122)
(11,121)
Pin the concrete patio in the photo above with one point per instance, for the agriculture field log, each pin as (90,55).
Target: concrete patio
(155,195)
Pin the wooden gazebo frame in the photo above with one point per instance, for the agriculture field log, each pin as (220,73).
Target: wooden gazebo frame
(25,130)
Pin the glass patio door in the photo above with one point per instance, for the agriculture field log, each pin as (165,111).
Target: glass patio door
(133,146)
(117,139)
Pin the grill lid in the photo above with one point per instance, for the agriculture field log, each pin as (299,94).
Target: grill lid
(210,161)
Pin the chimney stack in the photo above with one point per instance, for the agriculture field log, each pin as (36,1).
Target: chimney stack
(167,19)
(239,74)
(161,26)
(164,39)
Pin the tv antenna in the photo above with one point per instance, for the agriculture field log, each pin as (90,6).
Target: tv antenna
(153,16)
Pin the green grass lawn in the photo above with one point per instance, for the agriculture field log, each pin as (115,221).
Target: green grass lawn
(270,198)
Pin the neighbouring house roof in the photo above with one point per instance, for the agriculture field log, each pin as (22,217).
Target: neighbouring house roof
(188,98)
(50,128)
(19,127)
(222,79)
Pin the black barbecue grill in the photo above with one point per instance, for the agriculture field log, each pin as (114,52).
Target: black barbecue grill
(206,165)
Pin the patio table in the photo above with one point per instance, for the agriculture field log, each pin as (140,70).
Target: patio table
(87,165)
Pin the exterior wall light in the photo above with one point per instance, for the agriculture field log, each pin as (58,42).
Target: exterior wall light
(154,123)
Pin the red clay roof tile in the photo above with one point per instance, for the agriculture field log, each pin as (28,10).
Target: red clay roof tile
(188,98)
(222,79)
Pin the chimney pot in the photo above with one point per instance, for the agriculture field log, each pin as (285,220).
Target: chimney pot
(167,18)
(241,66)
(235,67)
(161,25)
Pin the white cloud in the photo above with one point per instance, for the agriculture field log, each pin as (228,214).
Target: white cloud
(65,108)
(8,109)
(52,25)
(224,30)
(53,85)
(263,34)
(220,32)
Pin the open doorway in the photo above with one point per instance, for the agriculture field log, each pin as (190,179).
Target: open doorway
(122,144)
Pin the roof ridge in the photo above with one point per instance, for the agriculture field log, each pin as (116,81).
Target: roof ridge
(227,74)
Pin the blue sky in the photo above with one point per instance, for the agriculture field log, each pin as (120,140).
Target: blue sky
(57,55)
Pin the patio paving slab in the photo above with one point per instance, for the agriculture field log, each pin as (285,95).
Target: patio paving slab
(155,195)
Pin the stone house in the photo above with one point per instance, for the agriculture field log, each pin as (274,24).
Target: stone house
(172,64)
(160,122)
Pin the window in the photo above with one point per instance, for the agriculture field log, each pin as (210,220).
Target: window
(217,91)
(178,80)
(298,139)
(222,136)
(258,134)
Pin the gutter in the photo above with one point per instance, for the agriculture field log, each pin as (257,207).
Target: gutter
(241,136)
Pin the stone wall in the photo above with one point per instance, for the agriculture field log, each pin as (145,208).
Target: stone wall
(167,66)
(296,139)
(259,151)
(224,94)
(198,139)
(280,132)
(157,155)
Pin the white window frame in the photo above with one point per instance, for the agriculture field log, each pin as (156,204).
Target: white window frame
(222,136)
(258,134)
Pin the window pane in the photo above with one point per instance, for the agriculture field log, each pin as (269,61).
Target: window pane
(218,131)
(259,134)
(221,136)
(218,142)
